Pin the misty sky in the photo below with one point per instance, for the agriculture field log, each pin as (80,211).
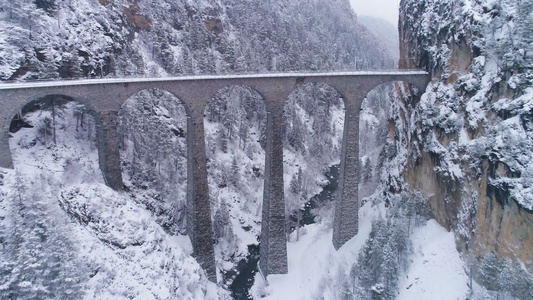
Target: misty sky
(385,9)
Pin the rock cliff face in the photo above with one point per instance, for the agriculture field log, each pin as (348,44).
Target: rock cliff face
(468,139)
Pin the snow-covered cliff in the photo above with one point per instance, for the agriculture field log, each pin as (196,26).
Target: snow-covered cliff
(467,141)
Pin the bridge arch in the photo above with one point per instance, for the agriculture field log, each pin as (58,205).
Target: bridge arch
(373,134)
(37,103)
(416,84)
(345,223)
(235,123)
(313,127)
(391,91)
(23,103)
(64,117)
(152,133)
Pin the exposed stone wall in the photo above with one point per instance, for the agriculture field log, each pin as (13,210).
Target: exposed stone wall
(502,227)
(273,251)
(451,154)
(109,157)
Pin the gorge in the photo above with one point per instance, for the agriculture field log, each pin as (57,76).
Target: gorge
(462,146)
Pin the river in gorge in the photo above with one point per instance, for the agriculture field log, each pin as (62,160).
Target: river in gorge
(240,287)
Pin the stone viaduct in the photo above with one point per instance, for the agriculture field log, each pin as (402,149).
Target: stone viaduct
(104,97)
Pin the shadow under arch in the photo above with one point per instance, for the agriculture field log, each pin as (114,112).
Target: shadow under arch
(235,120)
(313,130)
(152,133)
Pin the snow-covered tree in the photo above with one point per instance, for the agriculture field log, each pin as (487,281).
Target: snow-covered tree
(368,171)
(153,146)
(385,254)
(235,175)
(504,277)
(39,258)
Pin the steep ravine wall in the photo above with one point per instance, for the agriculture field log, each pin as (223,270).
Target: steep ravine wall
(468,138)
(494,226)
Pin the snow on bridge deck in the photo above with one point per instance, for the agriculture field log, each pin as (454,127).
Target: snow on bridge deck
(58,83)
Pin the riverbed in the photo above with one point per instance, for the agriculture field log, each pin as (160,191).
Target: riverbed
(242,283)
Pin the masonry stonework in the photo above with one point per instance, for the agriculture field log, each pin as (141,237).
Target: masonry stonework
(273,250)
(346,217)
(108,154)
(104,97)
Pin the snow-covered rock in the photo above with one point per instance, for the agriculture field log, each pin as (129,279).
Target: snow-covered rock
(466,143)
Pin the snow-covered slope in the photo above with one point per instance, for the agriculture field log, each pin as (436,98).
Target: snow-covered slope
(437,270)
(116,250)
(317,271)
(125,38)
(386,32)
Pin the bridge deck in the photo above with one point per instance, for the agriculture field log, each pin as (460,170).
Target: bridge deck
(68,82)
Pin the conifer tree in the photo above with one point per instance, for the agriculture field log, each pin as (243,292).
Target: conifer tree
(235,175)
(39,257)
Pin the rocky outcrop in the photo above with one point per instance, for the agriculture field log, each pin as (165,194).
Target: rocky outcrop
(468,139)
(502,226)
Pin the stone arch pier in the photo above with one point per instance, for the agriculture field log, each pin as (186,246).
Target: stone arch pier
(106,96)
